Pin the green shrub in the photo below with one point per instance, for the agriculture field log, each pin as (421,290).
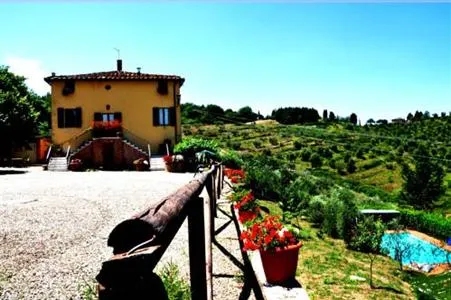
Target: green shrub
(325,152)
(190,146)
(351,167)
(305,154)
(267,152)
(292,156)
(263,177)
(429,223)
(329,225)
(257,143)
(372,164)
(332,163)
(360,153)
(316,209)
(316,161)
(347,214)
(390,166)
(175,286)
(347,157)
(235,145)
(298,145)
(274,141)
(231,159)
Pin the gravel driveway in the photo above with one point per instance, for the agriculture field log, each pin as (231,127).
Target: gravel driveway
(54,226)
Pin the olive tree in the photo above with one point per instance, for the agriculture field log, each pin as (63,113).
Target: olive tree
(367,239)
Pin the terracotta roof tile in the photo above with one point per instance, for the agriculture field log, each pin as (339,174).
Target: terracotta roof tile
(115,75)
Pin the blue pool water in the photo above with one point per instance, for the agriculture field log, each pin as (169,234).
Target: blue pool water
(419,251)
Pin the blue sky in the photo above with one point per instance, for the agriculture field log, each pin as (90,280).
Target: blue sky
(377,60)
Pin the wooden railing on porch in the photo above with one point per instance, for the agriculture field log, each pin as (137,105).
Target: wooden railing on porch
(140,242)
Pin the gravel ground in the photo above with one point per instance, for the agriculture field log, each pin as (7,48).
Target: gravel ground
(54,227)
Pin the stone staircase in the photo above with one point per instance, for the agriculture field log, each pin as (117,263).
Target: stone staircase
(135,147)
(57,164)
(157,163)
(86,144)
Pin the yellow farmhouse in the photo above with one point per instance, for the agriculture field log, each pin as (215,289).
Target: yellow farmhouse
(111,118)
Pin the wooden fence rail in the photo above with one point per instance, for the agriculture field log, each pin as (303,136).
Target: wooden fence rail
(140,242)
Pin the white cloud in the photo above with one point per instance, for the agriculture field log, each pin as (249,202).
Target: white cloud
(32,70)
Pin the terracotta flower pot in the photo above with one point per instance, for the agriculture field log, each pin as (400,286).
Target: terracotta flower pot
(169,167)
(280,263)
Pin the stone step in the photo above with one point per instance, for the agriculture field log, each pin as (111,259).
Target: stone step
(57,164)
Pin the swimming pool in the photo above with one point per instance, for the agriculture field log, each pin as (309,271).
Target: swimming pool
(418,251)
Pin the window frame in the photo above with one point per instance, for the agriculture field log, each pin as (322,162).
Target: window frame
(164,116)
(69,117)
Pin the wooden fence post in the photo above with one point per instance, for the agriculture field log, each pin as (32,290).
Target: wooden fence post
(221,174)
(209,185)
(196,238)
(209,231)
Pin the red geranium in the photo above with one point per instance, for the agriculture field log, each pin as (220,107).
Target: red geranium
(247,202)
(267,234)
(235,176)
(247,215)
(167,159)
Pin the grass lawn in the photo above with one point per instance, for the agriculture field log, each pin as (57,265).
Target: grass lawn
(325,267)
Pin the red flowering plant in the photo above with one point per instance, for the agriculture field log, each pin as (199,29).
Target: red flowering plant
(244,201)
(235,176)
(268,234)
(114,124)
(167,159)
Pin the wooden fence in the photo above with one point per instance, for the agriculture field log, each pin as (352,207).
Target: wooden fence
(140,242)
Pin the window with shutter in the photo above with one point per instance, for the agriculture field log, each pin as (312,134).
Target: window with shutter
(162,88)
(69,117)
(163,116)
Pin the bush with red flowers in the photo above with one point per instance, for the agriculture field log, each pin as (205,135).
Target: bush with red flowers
(268,234)
(246,205)
(235,176)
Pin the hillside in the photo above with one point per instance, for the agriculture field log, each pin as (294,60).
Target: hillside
(365,158)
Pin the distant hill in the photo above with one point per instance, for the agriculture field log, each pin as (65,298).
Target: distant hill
(366,158)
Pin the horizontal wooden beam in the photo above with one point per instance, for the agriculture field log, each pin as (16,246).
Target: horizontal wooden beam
(148,234)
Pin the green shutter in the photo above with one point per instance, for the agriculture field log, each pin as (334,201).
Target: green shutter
(78,117)
(118,116)
(60,117)
(97,116)
(156,116)
(172,116)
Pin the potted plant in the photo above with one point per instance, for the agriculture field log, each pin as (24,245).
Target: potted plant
(169,163)
(173,163)
(75,165)
(278,246)
(141,164)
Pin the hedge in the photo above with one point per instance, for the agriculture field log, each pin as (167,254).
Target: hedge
(429,223)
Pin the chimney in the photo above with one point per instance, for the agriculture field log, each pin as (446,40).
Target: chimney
(119,65)
(139,70)
(53,74)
